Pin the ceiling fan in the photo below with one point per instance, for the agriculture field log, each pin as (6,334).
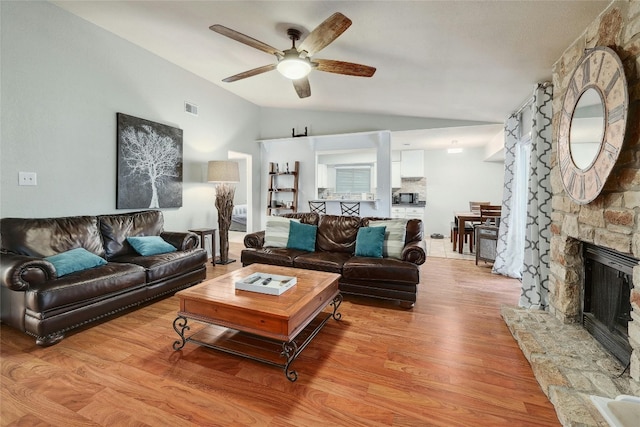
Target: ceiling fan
(296,63)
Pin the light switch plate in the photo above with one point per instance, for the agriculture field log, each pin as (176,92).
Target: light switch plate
(27,178)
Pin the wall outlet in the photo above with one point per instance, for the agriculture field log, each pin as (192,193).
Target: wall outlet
(27,178)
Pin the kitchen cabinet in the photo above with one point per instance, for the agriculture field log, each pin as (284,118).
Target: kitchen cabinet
(407,212)
(398,212)
(396,179)
(417,213)
(323,180)
(412,164)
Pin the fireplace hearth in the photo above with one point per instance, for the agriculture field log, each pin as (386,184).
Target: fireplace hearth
(606,307)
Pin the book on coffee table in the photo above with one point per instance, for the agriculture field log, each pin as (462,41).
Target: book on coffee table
(266,283)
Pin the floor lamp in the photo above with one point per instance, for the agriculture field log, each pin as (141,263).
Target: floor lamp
(224,173)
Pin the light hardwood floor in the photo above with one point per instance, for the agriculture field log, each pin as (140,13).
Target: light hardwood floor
(450,361)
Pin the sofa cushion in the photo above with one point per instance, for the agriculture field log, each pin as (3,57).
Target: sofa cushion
(370,241)
(302,236)
(272,256)
(42,237)
(166,265)
(337,233)
(77,288)
(322,261)
(77,259)
(304,217)
(276,235)
(394,236)
(380,270)
(150,245)
(116,228)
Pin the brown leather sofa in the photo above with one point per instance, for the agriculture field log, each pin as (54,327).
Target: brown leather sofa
(385,278)
(38,302)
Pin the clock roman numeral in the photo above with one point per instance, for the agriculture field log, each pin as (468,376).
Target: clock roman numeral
(598,180)
(612,82)
(572,180)
(599,67)
(581,187)
(565,162)
(616,114)
(586,72)
(612,151)
(573,87)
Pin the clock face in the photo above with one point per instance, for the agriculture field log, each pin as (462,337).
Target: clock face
(599,70)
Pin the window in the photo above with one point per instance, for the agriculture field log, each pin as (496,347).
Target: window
(353,179)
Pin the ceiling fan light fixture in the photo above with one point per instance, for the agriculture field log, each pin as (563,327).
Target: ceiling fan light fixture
(293,67)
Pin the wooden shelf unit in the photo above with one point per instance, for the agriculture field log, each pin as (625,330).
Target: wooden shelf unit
(282,183)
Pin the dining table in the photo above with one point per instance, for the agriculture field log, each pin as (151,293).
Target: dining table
(461,219)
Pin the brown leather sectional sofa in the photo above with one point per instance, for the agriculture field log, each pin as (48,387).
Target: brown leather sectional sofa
(385,278)
(36,301)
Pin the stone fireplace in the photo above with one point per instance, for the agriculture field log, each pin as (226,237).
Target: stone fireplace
(569,363)
(612,220)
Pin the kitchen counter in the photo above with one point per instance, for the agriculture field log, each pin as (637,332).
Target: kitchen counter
(410,205)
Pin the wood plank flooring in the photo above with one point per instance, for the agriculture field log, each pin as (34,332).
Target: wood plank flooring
(450,361)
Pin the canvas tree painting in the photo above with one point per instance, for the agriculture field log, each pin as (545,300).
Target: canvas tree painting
(149,164)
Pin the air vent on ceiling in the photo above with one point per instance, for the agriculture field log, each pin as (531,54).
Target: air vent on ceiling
(191,108)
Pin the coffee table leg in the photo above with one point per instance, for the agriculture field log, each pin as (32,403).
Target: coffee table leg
(336,304)
(180,325)
(289,350)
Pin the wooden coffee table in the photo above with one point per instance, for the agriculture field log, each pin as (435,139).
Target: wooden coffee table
(258,326)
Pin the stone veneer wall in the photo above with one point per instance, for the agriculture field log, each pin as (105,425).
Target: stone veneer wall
(612,220)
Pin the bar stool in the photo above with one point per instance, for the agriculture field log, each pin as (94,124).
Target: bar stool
(318,207)
(350,208)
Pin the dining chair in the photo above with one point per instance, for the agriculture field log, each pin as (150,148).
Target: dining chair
(350,208)
(468,231)
(490,213)
(475,206)
(318,207)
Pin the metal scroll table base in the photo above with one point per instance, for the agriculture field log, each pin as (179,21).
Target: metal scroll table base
(255,347)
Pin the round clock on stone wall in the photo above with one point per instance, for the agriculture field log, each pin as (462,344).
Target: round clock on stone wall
(592,123)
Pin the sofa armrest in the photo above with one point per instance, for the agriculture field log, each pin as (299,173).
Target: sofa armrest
(181,240)
(19,272)
(254,240)
(415,252)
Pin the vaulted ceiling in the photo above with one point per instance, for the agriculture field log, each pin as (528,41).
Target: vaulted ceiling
(467,60)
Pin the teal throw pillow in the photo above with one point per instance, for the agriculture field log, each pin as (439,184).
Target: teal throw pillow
(150,245)
(302,236)
(370,241)
(74,260)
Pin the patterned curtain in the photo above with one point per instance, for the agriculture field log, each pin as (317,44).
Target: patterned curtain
(510,245)
(524,237)
(535,274)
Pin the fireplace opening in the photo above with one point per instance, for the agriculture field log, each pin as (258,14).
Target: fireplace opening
(606,308)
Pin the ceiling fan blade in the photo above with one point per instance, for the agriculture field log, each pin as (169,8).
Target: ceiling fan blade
(249,41)
(302,87)
(341,67)
(325,33)
(250,73)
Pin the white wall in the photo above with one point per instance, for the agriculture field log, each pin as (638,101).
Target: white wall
(453,180)
(64,79)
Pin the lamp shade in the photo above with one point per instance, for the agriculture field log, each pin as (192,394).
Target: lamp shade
(223,171)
